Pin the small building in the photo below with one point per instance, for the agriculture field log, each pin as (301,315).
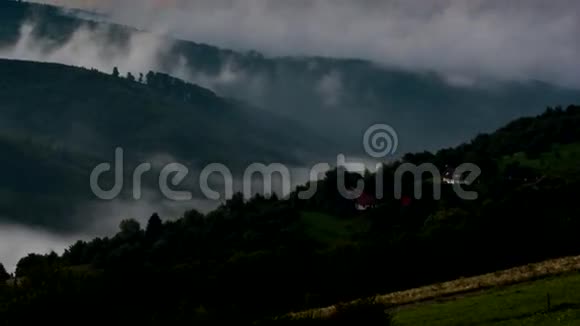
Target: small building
(365,201)
(452,177)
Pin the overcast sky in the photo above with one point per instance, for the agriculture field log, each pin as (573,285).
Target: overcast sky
(520,39)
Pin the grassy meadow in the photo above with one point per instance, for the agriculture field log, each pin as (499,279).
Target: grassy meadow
(544,293)
(551,301)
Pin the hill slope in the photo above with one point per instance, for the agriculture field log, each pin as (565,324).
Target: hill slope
(60,122)
(321,94)
(294,255)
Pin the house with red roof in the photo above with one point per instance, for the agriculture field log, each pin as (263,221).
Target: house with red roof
(365,201)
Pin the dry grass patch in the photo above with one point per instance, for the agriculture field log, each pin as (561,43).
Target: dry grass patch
(464,285)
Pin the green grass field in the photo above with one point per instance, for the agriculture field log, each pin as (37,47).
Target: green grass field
(522,304)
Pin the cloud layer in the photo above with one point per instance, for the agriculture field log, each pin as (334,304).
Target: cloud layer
(464,40)
(91,49)
(16,242)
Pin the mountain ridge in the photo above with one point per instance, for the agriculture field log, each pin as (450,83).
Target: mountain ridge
(322,94)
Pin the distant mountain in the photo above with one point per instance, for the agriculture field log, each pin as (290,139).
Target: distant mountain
(336,97)
(59,122)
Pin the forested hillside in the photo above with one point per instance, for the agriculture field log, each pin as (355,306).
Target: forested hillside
(58,123)
(253,259)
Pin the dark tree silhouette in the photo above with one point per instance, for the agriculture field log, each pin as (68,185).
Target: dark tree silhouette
(129,228)
(4,276)
(154,227)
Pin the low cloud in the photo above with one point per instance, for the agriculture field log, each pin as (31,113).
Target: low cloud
(101,219)
(90,48)
(522,39)
(18,241)
(330,89)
